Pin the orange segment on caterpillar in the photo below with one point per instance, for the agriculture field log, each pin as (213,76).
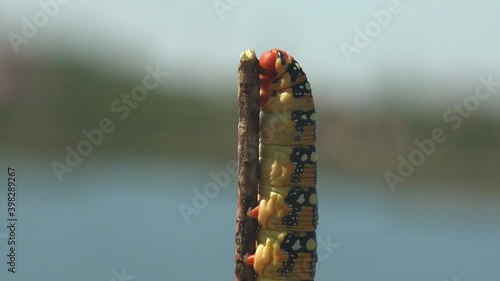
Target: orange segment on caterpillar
(288,205)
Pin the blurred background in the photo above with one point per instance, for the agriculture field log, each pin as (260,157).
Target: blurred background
(117,115)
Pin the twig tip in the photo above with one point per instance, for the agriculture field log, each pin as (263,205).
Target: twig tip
(247,55)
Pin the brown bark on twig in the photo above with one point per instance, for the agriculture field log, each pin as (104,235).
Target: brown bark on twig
(248,162)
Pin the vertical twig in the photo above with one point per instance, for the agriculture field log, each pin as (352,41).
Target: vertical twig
(248,161)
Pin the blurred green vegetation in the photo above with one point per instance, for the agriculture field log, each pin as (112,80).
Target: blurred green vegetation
(45,106)
(50,107)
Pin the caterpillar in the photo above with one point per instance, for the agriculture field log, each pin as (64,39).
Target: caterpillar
(287,212)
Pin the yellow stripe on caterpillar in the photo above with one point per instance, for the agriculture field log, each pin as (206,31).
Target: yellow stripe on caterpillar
(288,165)
(287,129)
(289,208)
(295,98)
(285,255)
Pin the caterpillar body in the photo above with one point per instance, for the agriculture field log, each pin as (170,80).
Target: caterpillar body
(288,205)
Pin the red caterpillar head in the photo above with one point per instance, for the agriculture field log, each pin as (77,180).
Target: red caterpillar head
(272,63)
